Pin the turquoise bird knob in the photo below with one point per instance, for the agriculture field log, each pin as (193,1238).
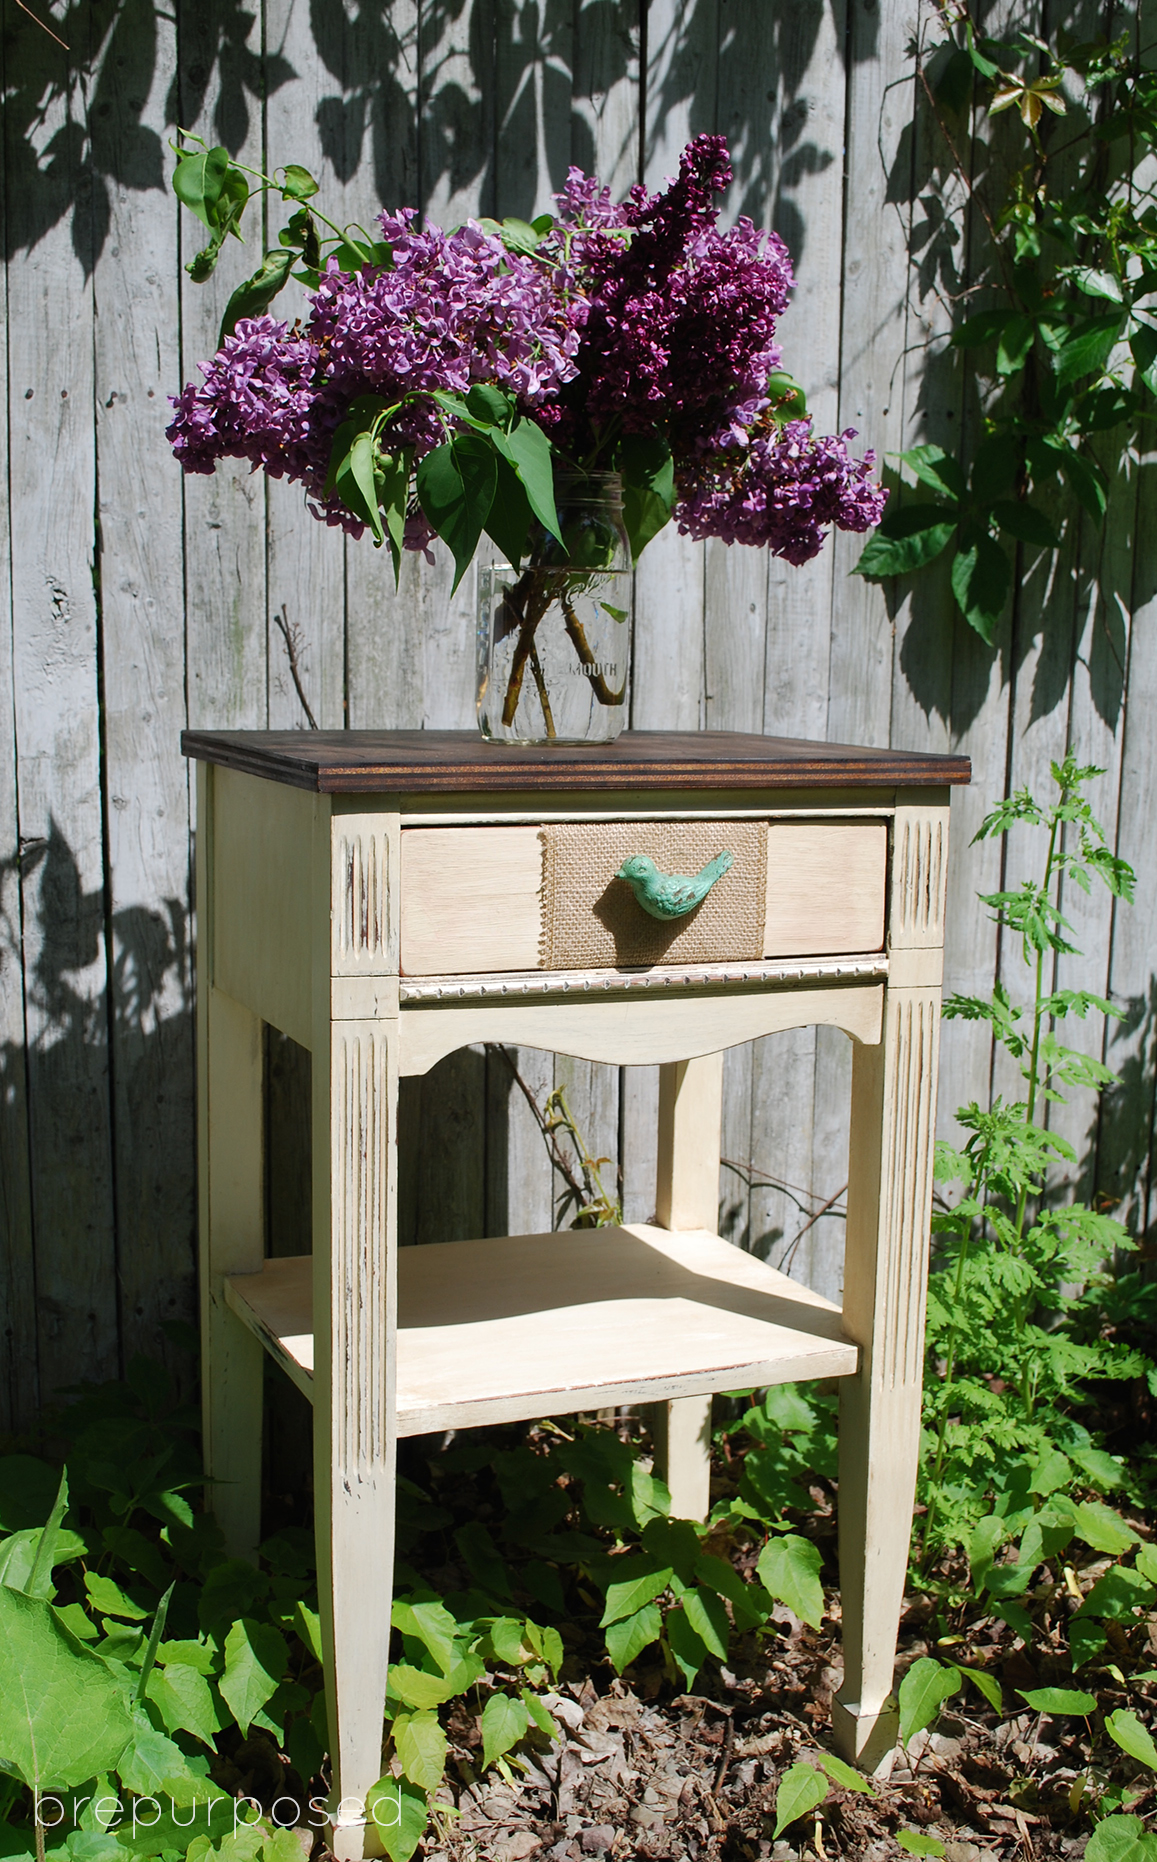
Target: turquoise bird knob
(671,895)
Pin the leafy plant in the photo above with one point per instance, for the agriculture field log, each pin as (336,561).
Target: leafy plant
(1001,1304)
(1057,333)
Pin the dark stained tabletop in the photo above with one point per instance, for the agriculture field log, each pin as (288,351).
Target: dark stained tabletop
(424,762)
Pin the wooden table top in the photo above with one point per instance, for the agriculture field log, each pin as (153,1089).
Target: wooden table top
(424,762)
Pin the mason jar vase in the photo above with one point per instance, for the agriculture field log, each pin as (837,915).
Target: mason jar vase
(554,637)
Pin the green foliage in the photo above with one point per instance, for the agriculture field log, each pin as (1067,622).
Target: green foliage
(1056,337)
(801,1789)
(1011,1345)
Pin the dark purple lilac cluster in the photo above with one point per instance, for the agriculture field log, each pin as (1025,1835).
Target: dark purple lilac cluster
(634,318)
(780,491)
(680,335)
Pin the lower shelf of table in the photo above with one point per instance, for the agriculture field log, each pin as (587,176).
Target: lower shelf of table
(538,1325)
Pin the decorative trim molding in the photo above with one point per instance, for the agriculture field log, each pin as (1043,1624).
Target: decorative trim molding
(902,1272)
(363,931)
(360,1215)
(416,992)
(919,876)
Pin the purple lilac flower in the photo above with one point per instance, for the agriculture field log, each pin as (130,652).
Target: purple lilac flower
(781,493)
(449,311)
(680,334)
(640,316)
(265,398)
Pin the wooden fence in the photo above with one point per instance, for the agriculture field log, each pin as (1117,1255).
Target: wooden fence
(140,602)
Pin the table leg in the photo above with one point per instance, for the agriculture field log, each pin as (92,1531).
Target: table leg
(232,1223)
(355,1326)
(687,1196)
(885,1283)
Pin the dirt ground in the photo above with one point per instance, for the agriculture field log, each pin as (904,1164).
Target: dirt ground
(645,1774)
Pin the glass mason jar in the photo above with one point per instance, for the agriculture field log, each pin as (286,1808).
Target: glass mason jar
(554,638)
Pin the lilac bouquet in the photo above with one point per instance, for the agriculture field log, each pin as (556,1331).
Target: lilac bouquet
(444,384)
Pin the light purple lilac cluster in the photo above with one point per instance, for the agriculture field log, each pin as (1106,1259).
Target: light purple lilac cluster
(640,317)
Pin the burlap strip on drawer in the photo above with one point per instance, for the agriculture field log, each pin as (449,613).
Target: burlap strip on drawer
(591,919)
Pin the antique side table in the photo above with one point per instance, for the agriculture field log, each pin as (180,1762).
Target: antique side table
(387,897)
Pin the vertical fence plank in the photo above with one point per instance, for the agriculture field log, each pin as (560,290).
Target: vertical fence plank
(146,791)
(667,675)
(52,463)
(305,559)
(1125,1135)
(19,1379)
(225,606)
(789,154)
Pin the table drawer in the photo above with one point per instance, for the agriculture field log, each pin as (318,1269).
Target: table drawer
(486,899)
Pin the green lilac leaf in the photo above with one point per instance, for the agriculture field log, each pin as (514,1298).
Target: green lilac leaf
(254,296)
(648,474)
(508,524)
(198,180)
(528,450)
(920,1843)
(456,483)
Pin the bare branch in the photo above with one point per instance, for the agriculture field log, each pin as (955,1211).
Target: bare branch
(292,636)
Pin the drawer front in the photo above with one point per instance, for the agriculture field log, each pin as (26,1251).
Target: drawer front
(485,899)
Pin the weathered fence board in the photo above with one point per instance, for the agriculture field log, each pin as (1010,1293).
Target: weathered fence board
(139,601)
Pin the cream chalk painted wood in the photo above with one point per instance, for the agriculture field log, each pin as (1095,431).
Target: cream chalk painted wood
(885,1284)
(355,1090)
(687,1169)
(262,862)
(312,908)
(540,1325)
(825,887)
(231,1212)
(471,899)
(640,1032)
(687,1197)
